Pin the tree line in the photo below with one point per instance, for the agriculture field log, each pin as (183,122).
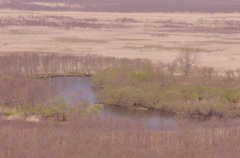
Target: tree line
(34,64)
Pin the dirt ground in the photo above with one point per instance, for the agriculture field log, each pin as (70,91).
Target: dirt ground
(155,36)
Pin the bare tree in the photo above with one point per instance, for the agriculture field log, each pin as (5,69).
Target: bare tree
(186,61)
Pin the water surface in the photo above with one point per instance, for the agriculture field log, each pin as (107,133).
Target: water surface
(71,86)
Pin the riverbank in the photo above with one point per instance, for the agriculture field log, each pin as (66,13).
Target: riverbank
(61,75)
(179,113)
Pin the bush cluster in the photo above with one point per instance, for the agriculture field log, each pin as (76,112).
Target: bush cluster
(157,88)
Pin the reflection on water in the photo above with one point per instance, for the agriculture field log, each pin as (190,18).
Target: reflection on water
(74,85)
(150,119)
(69,86)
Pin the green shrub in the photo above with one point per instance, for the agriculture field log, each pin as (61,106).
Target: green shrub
(93,109)
(207,92)
(50,111)
(231,95)
(29,109)
(9,112)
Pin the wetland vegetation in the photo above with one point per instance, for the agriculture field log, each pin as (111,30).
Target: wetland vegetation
(200,94)
(121,45)
(91,137)
(180,87)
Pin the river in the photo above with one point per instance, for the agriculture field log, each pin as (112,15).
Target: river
(81,86)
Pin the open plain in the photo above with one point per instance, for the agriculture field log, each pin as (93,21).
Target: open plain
(155,36)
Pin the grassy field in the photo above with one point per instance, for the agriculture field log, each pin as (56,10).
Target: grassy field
(91,137)
(155,36)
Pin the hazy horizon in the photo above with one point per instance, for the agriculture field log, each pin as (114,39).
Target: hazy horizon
(210,6)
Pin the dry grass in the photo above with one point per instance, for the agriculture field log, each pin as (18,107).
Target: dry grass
(219,48)
(91,137)
(162,48)
(78,40)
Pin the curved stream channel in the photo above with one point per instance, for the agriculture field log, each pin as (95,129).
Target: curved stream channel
(70,86)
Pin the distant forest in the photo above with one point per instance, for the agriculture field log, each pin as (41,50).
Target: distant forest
(206,6)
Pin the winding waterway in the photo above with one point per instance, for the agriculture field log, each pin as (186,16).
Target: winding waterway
(71,86)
